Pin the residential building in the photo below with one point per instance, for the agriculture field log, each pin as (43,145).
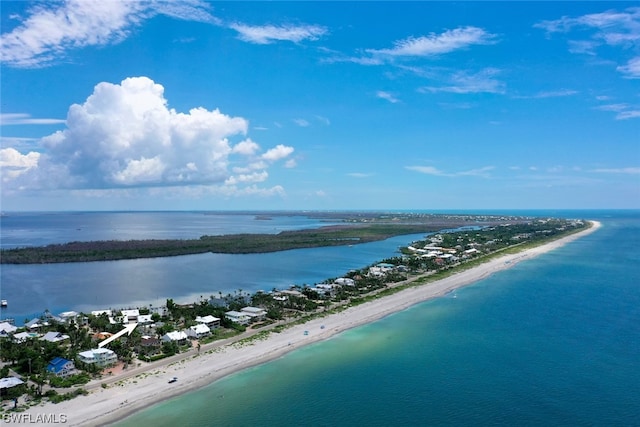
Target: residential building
(9,382)
(7,328)
(145,319)
(209,320)
(35,323)
(24,336)
(198,331)
(238,317)
(130,316)
(54,337)
(62,367)
(255,313)
(102,357)
(68,316)
(176,336)
(345,281)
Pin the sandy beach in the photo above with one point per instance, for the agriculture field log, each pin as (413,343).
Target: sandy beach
(144,385)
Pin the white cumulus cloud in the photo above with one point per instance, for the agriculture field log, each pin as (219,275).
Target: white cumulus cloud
(13,163)
(278,152)
(124,135)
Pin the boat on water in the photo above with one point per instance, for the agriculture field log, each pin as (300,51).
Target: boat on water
(3,303)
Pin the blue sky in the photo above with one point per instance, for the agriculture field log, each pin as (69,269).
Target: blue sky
(149,105)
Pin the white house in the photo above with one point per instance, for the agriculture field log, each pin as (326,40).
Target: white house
(8,382)
(198,331)
(255,313)
(145,319)
(54,337)
(68,316)
(380,270)
(23,336)
(35,324)
(176,336)
(7,328)
(345,281)
(98,356)
(209,320)
(240,318)
(130,316)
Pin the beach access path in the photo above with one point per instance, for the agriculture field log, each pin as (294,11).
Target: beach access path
(144,385)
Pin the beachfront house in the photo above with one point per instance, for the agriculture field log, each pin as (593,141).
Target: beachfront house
(209,320)
(61,367)
(101,357)
(198,331)
(148,346)
(238,317)
(179,337)
(9,383)
(255,313)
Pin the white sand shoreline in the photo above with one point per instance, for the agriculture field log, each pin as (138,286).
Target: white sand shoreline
(148,385)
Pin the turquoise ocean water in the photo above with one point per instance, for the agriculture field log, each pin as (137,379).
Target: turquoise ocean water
(553,341)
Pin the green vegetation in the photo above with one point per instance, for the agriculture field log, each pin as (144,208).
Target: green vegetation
(357,228)
(230,244)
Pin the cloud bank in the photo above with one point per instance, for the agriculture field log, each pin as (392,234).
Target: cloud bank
(125,136)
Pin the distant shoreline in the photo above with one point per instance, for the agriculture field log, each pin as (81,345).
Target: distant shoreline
(354,230)
(123,397)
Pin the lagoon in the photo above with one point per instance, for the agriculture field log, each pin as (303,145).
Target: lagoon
(30,289)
